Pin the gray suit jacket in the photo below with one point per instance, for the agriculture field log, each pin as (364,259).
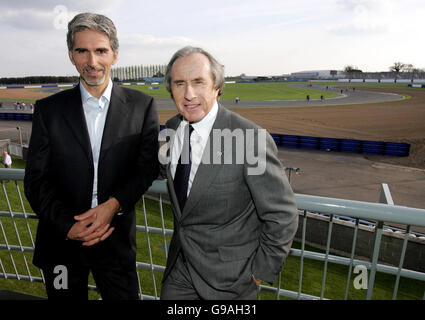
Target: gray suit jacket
(234,224)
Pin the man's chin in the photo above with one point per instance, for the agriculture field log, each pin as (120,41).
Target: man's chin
(193,118)
(93,82)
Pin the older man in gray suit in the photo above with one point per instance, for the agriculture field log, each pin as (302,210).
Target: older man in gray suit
(234,218)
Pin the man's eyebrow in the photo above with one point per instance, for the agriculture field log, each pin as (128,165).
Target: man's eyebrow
(198,79)
(97,49)
(193,80)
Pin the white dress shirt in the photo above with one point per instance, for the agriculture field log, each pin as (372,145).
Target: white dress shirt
(95,111)
(7,160)
(198,141)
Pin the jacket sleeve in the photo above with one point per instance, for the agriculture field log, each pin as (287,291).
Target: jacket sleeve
(38,186)
(276,208)
(147,163)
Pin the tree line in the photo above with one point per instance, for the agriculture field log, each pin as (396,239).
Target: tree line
(396,67)
(138,72)
(129,73)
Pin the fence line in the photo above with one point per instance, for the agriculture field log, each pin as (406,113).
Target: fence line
(286,140)
(158,235)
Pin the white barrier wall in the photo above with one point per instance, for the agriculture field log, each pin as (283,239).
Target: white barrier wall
(418,81)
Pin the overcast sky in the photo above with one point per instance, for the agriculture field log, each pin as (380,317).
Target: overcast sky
(248,36)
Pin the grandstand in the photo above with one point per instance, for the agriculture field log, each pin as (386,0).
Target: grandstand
(319,74)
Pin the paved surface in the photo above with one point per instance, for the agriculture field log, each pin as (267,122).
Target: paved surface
(353,177)
(8,130)
(348,97)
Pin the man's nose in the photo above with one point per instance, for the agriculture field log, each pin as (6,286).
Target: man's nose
(189,93)
(91,59)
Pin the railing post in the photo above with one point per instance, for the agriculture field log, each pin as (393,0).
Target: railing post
(16,228)
(279,282)
(353,250)
(300,280)
(149,247)
(2,269)
(375,256)
(325,268)
(400,266)
(161,211)
(6,241)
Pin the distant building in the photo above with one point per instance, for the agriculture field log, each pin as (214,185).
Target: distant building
(249,78)
(264,78)
(318,74)
(154,80)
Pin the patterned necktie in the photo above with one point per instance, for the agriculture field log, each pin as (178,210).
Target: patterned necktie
(181,178)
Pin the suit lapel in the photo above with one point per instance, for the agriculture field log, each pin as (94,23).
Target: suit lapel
(206,172)
(116,119)
(74,116)
(173,124)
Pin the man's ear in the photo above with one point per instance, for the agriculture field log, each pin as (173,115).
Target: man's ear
(71,57)
(115,57)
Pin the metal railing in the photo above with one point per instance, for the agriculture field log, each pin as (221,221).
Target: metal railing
(17,229)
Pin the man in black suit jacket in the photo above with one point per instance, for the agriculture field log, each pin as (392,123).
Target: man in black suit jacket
(92,154)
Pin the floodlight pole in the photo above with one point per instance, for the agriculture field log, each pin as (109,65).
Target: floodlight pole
(290,170)
(20,135)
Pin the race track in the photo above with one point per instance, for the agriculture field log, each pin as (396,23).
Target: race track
(348,97)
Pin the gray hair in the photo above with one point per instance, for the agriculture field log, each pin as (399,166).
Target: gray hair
(217,69)
(92,21)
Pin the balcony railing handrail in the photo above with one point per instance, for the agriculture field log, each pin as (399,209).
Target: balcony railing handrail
(332,207)
(343,207)
(362,209)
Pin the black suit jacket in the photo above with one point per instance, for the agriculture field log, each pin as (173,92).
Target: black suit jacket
(59,172)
